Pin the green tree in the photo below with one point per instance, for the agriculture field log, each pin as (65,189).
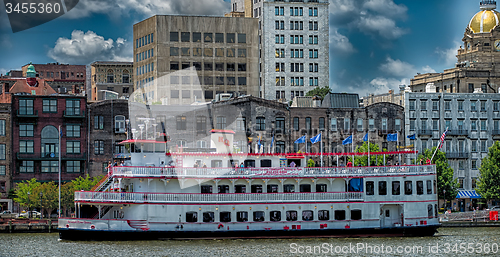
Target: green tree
(311,163)
(25,193)
(363,160)
(319,91)
(488,185)
(67,196)
(85,183)
(445,179)
(49,198)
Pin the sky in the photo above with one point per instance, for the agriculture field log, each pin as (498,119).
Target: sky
(375,45)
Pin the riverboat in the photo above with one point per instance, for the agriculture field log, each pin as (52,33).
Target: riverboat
(164,195)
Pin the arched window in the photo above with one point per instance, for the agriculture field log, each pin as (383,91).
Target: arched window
(111,76)
(125,77)
(50,141)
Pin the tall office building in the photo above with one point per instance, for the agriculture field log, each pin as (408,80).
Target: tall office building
(182,59)
(294,46)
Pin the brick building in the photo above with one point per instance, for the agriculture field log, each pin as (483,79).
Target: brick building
(115,77)
(107,128)
(63,78)
(5,156)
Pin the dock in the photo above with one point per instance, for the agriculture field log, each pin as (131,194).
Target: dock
(28,226)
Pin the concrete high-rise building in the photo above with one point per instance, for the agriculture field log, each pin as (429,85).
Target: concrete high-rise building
(294,46)
(182,59)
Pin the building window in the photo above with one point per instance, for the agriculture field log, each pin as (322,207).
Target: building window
(119,124)
(483,146)
(483,125)
(474,164)
(384,124)
(435,105)
(49,105)
(26,106)
(73,107)
(26,130)
(72,130)
(50,166)
(347,124)
(261,123)
(181,123)
(333,124)
(460,105)
(447,105)
(2,170)
(26,166)
(26,146)
(110,78)
(98,122)
(360,125)
(473,106)
(473,183)
(435,125)
(423,105)
(397,124)
(473,125)
(73,167)
(483,106)
(412,105)
(412,124)
(2,127)
(221,122)
(201,124)
(495,106)
(321,124)
(72,147)
(98,147)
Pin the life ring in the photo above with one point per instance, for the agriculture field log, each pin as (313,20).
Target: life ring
(67,225)
(92,227)
(220,226)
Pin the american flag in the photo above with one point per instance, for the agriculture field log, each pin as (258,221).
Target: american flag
(443,136)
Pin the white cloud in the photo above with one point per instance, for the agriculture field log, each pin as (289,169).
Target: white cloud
(428,69)
(340,43)
(401,69)
(387,8)
(449,55)
(84,48)
(4,71)
(382,85)
(147,8)
(382,26)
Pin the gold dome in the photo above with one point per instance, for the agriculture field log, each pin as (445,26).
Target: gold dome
(484,21)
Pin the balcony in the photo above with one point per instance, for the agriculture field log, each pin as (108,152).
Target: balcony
(457,155)
(458,132)
(163,198)
(495,132)
(79,115)
(425,132)
(34,114)
(50,157)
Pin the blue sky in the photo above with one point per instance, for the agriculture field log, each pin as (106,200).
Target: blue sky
(375,45)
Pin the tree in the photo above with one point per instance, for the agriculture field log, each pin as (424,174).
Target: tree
(67,196)
(49,198)
(489,174)
(319,91)
(25,193)
(86,184)
(363,160)
(445,179)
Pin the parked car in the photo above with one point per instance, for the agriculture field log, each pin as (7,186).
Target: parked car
(34,214)
(495,208)
(8,215)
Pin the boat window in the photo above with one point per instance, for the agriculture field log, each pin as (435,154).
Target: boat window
(356,185)
(225,217)
(208,217)
(288,188)
(148,148)
(435,210)
(223,189)
(242,216)
(370,188)
(216,163)
(429,210)
(420,187)
(233,163)
(408,188)
(323,215)
(159,148)
(307,215)
(272,188)
(429,187)
(258,216)
(305,188)
(321,188)
(136,148)
(240,189)
(191,217)
(355,214)
(387,213)
(249,164)
(275,216)
(382,188)
(206,189)
(396,188)
(291,215)
(257,189)
(265,163)
(339,215)
(435,188)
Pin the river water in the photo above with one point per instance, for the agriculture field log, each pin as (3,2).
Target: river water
(448,242)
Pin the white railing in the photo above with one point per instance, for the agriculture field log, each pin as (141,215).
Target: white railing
(162,172)
(106,197)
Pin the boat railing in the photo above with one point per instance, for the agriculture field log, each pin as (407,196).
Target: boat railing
(271,172)
(123,197)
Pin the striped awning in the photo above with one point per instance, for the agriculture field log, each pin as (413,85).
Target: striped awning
(468,194)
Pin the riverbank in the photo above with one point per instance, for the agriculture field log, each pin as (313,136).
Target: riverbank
(28,226)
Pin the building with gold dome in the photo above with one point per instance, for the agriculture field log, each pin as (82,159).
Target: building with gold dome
(478,59)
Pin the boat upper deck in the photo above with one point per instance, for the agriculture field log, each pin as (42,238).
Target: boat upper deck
(270,172)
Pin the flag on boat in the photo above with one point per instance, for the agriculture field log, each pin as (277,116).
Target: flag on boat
(392,137)
(347,141)
(412,137)
(301,140)
(365,138)
(316,139)
(443,136)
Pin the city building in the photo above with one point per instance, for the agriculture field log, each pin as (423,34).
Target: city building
(111,80)
(473,123)
(107,128)
(5,155)
(220,53)
(294,46)
(63,78)
(390,97)
(478,59)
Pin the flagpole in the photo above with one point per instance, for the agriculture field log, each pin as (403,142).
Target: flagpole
(399,150)
(352,143)
(441,140)
(321,147)
(369,164)
(59,207)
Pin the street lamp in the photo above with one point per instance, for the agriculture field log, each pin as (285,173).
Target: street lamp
(141,127)
(444,198)
(29,214)
(41,210)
